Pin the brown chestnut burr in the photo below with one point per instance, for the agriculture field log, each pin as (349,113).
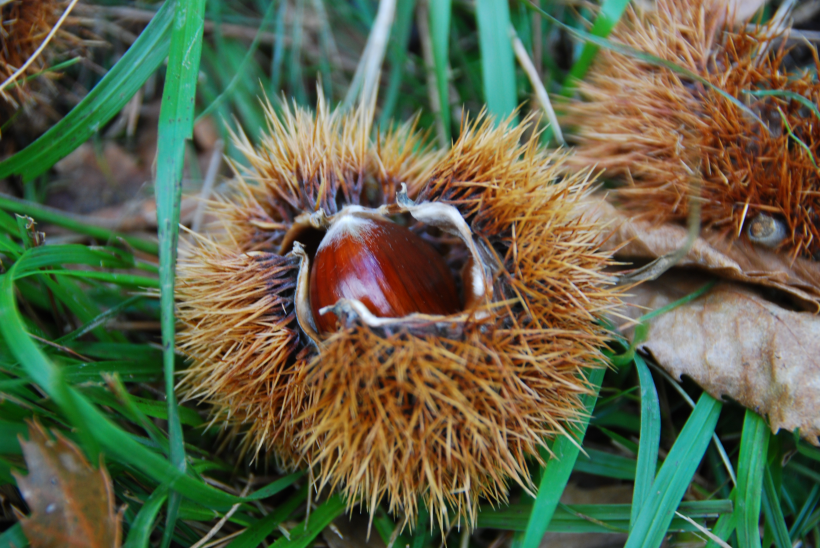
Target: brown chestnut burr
(385,266)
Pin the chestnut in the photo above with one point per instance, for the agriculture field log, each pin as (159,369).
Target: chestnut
(386,266)
(381,272)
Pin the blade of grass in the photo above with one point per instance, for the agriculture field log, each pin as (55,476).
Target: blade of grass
(593,518)
(303,534)
(804,470)
(797,139)
(555,474)
(13,537)
(440,12)
(397,53)
(79,303)
(540,92)
(119,445)
(805,101)
(45,256)
(674,477)
(176,125)
(266,18)
(243,108)
(497,61)
(101,104)
(773,511)
(47,70)
(725,525)
(99,320)
(326,47)
(649,441)
(751,464)
(26,352)
(7,222)
(641,324)
(805,512)
(128,407)
(278,57)
(422,535)
(608,16)
(45,214)
(128,280)
(366,77)
(608,465)
(810,452)
(718,445)
(295,81)
(627,444)
(139,535)
(256,533)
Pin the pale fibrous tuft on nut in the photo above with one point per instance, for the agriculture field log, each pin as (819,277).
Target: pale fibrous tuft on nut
(412,325)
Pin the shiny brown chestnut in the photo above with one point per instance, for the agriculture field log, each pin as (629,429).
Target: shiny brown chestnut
(385,266)
(382,272)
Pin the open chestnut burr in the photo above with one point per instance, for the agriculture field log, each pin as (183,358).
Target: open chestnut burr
(411,325)
(746,153)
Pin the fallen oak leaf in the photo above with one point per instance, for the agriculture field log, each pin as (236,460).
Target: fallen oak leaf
(741,261)
(734,342)
(72,504)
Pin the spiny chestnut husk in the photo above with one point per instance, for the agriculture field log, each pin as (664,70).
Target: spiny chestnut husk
(26,23)
(441,395)
(668,137)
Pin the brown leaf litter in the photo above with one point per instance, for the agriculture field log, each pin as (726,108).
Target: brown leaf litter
(636,238)
(734,342)
(737,340)
(72,504)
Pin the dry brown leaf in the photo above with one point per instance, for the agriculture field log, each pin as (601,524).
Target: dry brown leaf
(140,214)
(734,342)
(72,504)
(738,260)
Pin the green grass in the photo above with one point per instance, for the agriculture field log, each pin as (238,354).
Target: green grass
(176,125)
(64,363)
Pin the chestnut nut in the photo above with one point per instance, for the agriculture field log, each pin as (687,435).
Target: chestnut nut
(382,271)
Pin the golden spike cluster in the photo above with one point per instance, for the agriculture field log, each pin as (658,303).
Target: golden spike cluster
(665,136)
(399,414)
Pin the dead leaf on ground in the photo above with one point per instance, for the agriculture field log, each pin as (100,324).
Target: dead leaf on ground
(734,342)
(141,214)
(72,504)
(739,260)
(111,184)
(93,177)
